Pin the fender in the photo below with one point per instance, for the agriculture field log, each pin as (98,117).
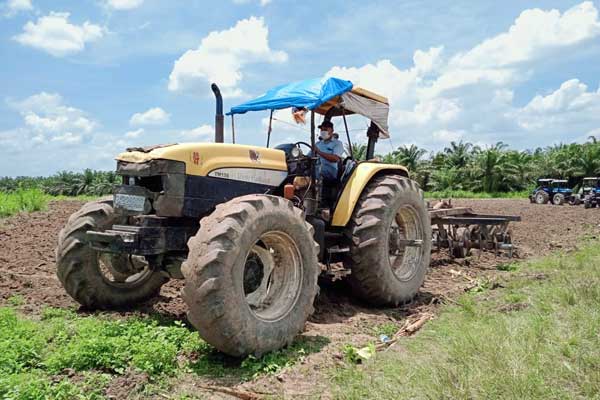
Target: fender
(361,176)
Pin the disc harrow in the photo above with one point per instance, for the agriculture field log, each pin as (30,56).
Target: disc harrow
(460,230)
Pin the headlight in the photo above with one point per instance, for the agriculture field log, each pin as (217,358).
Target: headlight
(296,152)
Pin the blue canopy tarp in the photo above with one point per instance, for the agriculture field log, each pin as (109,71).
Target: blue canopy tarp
(310,93)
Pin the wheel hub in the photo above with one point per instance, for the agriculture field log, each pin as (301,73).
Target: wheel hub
(273,276)
(405,240)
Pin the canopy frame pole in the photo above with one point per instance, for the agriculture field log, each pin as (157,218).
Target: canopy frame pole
(313,171)
(347,133)
(232,129)
(270,128)
(312,128)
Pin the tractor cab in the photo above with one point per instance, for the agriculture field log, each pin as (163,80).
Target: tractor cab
(545,184)
(560,185)
(589,185)
(329,100)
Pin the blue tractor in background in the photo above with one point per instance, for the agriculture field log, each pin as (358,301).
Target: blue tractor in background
(554,190)
(590,192)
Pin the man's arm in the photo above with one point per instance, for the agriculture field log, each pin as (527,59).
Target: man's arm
(329,157)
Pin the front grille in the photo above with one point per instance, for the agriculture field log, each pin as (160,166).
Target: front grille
(152,183)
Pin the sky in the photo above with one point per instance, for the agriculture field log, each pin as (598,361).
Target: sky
(80,81)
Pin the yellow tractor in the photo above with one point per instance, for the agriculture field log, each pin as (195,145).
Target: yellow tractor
(251,228)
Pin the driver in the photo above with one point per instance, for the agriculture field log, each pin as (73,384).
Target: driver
(330,151)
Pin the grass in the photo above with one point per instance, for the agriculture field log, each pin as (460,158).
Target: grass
(465,194)
(30,200)
(22,200)
(39,358)
(535,338)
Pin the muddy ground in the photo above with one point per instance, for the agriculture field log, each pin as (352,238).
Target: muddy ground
(27,269)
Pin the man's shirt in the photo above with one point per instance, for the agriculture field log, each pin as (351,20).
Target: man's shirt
(329,169)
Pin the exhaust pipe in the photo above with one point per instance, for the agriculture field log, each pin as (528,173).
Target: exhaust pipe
(219,118)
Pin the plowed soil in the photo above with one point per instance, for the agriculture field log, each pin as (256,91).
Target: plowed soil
(27,269)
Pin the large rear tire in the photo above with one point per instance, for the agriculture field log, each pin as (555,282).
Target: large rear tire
(390,235)
(101,280)
(251,275)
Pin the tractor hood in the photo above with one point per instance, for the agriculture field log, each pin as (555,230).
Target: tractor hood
(202,158)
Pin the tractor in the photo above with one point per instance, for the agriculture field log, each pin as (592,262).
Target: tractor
(590,192)
(250,228)
(554,190)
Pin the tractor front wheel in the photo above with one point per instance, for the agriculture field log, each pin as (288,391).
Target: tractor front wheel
(558,199)
(101,280)
(390,241)
(251,275)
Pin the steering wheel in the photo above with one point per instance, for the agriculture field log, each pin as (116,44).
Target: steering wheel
(297,144)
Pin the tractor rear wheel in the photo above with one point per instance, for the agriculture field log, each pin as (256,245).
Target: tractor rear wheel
(542,197)
(558,199)
(251,275)
(101,280)
(390,236)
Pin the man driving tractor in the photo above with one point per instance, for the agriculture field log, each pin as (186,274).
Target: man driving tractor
(330,151)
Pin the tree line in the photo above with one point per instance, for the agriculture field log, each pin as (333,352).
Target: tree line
(496,168)
(88,182)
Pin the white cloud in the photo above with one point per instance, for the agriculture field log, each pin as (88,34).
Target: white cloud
(47,119)
(13,7)
(447,136)
(55,35)
(469,95)
(569,105)
(261,2)
(134,134)
(124,4)
(221,57)
(153,116)
(534,33)
(202,132)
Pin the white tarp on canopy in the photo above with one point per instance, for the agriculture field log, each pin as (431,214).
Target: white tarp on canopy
(374,110)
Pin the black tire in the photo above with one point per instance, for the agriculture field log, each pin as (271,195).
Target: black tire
(79,267)
(586,204)
(542,197)
(558,199)
(372,233)
(218,289)
(574,201)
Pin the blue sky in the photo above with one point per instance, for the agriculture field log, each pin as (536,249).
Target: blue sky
(82,80)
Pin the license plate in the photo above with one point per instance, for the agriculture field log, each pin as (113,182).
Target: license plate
(130,202)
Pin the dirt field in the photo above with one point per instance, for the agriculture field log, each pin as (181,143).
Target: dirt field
(27,269)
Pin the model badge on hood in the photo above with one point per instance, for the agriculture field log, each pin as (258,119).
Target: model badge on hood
(254,155)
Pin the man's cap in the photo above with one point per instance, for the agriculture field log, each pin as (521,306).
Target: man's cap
(326,124)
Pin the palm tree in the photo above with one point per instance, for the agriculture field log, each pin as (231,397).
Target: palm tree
(493,170)
(359,151)
(459,154)
(409,156)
